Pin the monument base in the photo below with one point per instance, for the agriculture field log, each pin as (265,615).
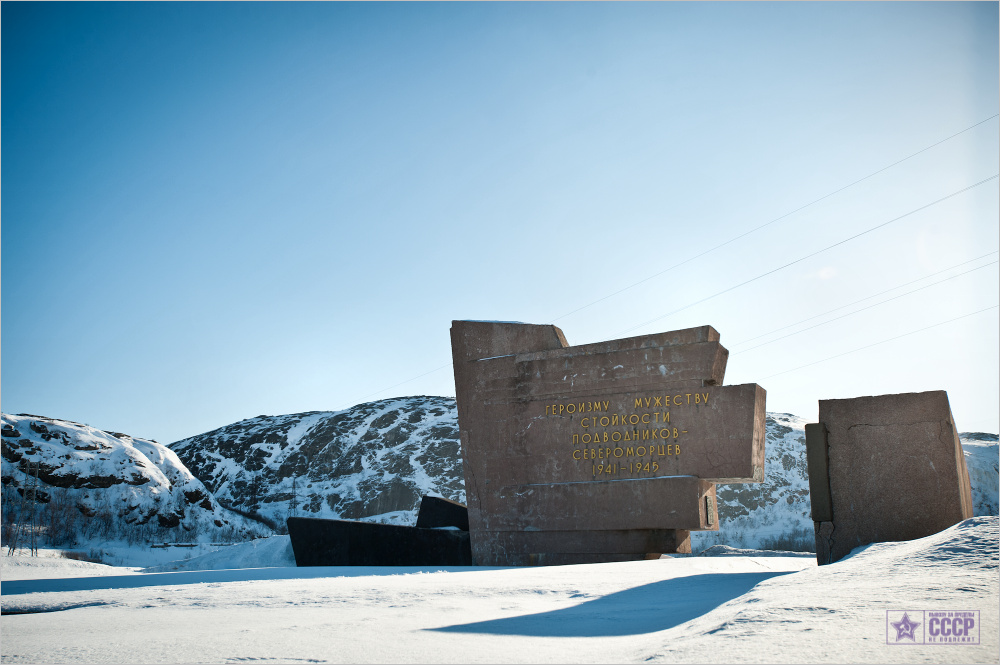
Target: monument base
(555,548)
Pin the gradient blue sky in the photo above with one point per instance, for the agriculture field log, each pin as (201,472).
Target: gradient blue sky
(214,211)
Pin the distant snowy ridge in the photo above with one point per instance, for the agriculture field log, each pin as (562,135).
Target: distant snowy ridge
(373,461)
(123,486)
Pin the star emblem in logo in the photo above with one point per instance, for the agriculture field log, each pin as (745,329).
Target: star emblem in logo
(904,628)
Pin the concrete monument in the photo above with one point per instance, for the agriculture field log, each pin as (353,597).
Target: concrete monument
(884,468)
(600,452)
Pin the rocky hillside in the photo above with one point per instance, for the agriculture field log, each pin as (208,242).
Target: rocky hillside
(373,461)
(106,484)
(984,470)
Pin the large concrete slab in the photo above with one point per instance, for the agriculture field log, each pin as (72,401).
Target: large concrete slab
(895,471)
(602,437)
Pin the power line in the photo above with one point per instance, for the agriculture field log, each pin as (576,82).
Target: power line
(809,256)
(734,239)
(875,295)
(420,376)
(862,348)
(844,316)
(776,219)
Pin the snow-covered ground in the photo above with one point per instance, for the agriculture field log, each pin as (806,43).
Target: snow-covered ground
(734,608)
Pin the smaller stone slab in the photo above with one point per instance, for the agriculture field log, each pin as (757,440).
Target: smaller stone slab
(436,512)
(884,468)
(323,542)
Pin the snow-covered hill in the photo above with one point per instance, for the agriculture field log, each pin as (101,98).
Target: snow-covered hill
(984,470)
(107,484)
(373,461)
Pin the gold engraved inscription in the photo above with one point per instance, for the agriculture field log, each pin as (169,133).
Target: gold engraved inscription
(628,441)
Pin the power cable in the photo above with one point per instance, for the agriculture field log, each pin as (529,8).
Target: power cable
(875,295)
(420,376)
(862,348)
(844,316)
(731,240)
(809,256)
(776,219)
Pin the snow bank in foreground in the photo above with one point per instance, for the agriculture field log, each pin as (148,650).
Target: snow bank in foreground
(692,609)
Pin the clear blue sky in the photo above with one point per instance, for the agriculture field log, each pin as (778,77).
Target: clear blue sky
(214,211)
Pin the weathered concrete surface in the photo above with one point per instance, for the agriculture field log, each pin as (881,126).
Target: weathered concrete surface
(895,467)
(553,548)
(596,439)
(684,502)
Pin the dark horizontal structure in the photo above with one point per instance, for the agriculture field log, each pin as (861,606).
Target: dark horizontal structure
(323,542)
(437,512)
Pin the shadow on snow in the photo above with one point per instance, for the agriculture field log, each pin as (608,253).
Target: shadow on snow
(644,609)
(141,580)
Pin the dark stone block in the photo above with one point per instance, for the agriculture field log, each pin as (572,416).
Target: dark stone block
(817,458)
(321,542)
(436,511)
